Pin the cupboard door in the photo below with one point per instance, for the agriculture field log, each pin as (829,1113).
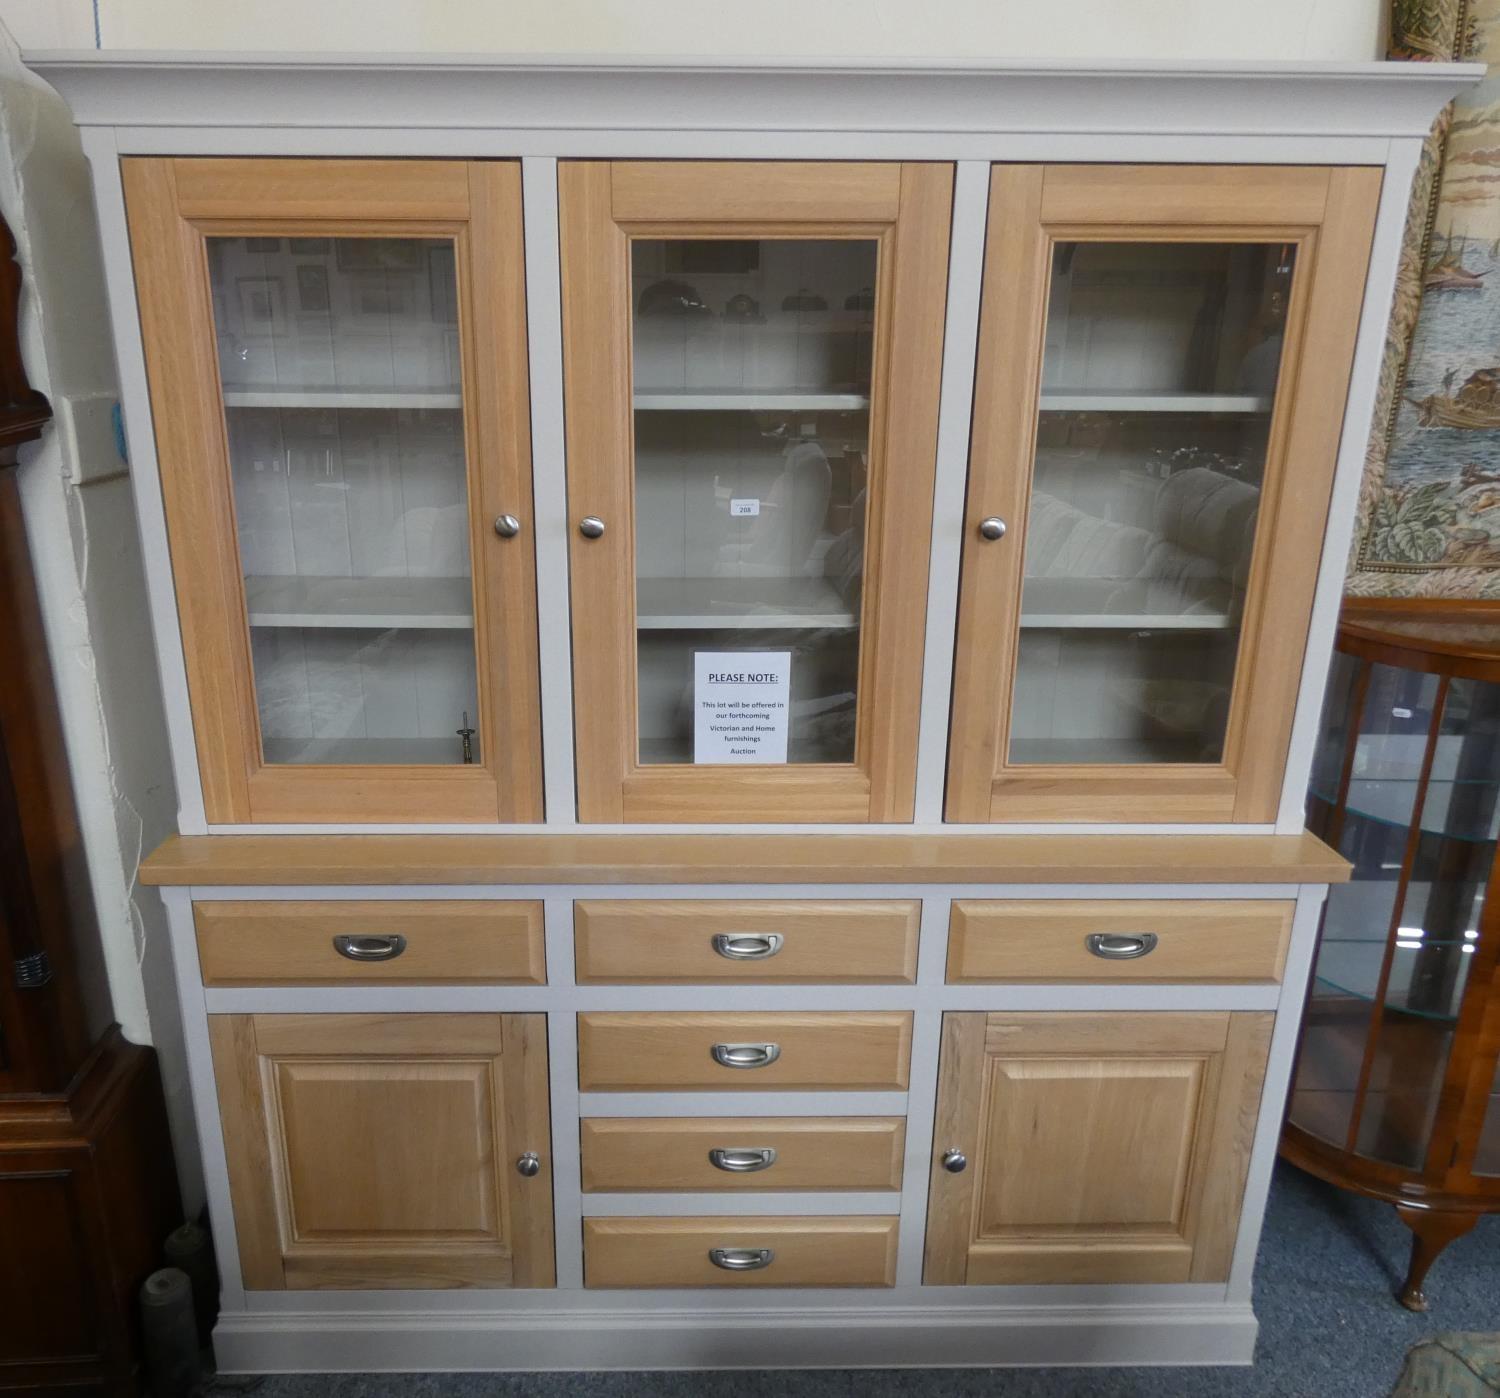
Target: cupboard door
(337,360)
(1099,1147)
(371,1151)
(1164,356)
(751,355)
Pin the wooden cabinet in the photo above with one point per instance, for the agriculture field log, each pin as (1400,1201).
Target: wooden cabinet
(1092,1147)
(1163,361)
(337,360)
(374,1151)
(752,355)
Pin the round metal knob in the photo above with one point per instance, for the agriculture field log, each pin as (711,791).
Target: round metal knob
(992,528)
(591,526)
(529,1164)
(507,526)
(955,1162)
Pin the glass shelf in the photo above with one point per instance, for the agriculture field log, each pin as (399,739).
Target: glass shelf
(1389,802)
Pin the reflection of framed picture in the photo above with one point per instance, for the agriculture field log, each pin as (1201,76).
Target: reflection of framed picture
(312,289)
(310,247)
(262,244)
(442,276)
(383,297)
(379,254)
(261,304)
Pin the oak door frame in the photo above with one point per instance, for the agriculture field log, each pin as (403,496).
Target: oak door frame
(1234,1050)
(1328,214)
(514,1046)
(173,205)
(906,209)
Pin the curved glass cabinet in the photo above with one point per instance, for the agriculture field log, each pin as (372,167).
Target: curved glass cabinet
(1395,1093)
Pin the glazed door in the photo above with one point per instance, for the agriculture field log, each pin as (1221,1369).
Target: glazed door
(752,354)
(337,362)
(1164,355)
(387,1151)
(1107,1148)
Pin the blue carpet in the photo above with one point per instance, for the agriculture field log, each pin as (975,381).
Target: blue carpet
(1330,1328)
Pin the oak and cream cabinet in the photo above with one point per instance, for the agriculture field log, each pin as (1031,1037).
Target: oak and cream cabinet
(742,646)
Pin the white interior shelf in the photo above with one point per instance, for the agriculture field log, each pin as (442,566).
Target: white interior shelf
(1143,401)
(274,396)
(427,604)
(716,604)
(1095,604)
(748,400)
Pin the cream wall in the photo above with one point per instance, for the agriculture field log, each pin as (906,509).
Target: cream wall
(1203,29)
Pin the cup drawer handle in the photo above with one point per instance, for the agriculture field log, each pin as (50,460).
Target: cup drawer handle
(746,1055)
(1120,946)
(741,1259)
(747,946)
(385,947)
(743,1160)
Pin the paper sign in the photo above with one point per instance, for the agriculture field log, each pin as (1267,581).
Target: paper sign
(743,509)
(741,705)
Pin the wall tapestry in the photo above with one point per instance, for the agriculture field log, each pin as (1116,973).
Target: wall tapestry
(1429,517)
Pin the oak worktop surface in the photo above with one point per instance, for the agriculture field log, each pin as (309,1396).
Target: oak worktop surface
(625,858)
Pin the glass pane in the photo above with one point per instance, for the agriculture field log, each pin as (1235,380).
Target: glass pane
(752,366)
(1487,1156)
(1158,379)
(339,360)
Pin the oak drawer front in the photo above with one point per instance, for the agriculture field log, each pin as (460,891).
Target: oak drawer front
(648,1052)
(1118,939)
(642,1154)
(423,941)
(666,1252)
(835,940)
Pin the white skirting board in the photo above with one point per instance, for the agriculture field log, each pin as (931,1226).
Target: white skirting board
(741,1336)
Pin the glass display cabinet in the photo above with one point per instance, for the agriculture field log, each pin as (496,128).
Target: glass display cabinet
(338,350)
(751,353)
(1144,337)
(1395,1093)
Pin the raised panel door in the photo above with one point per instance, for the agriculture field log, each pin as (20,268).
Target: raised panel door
(1098,1148)
(370,1151)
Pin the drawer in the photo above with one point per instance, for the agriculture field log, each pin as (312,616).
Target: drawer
(844,941)
(625,1052)
(665,1252)
(434,942)
(639,1154)
(1153,940)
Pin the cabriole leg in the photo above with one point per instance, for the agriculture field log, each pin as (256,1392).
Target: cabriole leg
(1432,1231)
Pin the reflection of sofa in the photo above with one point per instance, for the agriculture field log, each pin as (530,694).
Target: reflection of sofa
(1193,562)
(780,540)
(1194,559)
